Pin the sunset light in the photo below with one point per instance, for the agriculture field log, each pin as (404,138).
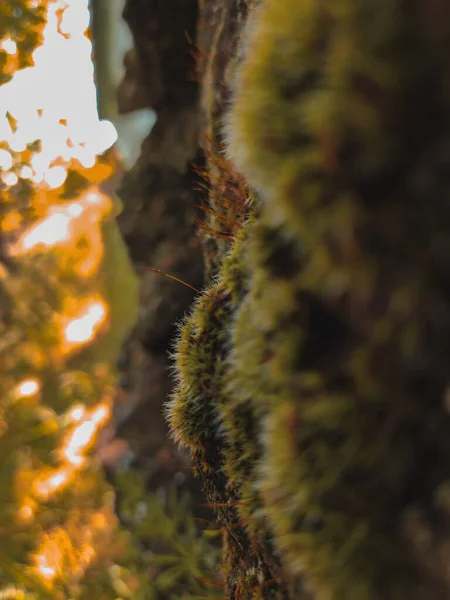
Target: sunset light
(45,486)
(62,113)
(49,136)
(85,325)
(28,388)
(65,226)
(83,435)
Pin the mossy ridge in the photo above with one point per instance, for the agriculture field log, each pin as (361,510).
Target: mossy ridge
(252,381)
(218,434)
(331,437)
(193,412)
(227,198)
(322,61)
(335,168)
(346,113)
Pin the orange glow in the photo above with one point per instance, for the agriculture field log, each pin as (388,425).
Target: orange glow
(11,221)
(65,225)
(26,511)
(44,568)
(82,437)
(99,521)
(67,551)
(48,232)
(28,387)
(62,114)
(9,46)
(49,560)
(101,414)
(43,487)
(77,413)
(85,325)
(10,179)
(73,450)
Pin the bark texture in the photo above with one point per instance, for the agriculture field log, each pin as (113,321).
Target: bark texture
(158,220)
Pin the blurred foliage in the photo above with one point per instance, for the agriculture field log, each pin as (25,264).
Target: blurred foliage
(182,559)
(60,538)
(22,22)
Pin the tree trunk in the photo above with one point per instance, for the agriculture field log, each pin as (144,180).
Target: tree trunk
(311,374)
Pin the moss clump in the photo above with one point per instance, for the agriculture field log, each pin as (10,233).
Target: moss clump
(339,295)
(221,436)
(332,360)
(200,363)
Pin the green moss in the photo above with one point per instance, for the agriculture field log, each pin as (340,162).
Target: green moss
(200,361)
(200,355)
(325,366)
(327,338)
(222,434)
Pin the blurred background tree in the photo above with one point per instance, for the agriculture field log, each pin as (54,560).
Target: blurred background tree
(111,41)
